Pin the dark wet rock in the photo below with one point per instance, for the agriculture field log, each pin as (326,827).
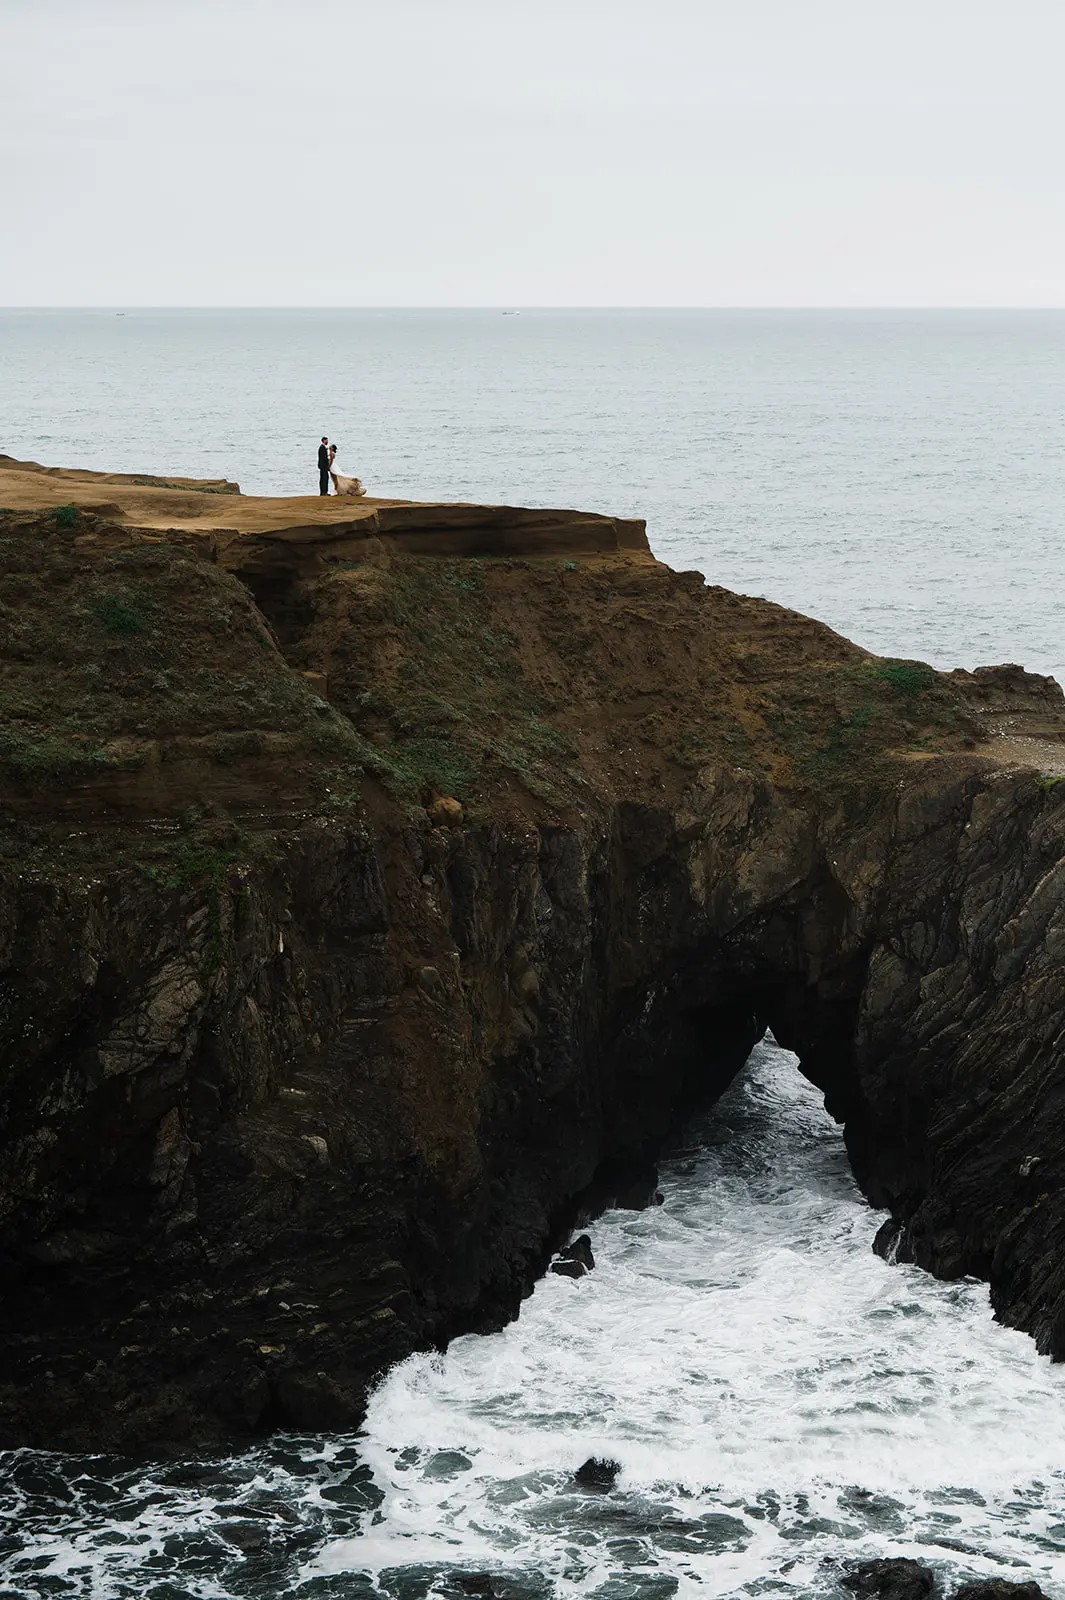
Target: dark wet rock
(569,1269)
(245,1535)
(597,1473)
(314,1401)
(888,1239)
(623,1183)
(638,1194)
(576,1259)
(892,1579)
(999,1589)
(296,1082)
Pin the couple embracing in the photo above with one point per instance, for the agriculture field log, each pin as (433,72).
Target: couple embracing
(327,455)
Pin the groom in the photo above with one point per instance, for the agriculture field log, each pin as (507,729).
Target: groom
(323,466)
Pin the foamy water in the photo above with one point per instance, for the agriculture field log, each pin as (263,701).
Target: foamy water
(779,1398)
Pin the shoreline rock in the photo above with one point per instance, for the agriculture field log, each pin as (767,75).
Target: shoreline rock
(900,1578)
(576,1260)
(297,1082)
(597,1473)
(892,1578)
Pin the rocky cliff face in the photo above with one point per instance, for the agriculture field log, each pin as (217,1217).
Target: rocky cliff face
(305,1066)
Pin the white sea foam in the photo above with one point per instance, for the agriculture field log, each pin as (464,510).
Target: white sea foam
(774,1391)
(779,1398)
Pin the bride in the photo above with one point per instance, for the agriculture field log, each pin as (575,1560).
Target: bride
(341,484)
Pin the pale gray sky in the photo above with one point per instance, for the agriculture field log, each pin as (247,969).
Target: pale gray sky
(557,152)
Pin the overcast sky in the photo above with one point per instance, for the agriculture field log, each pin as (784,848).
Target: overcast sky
(554,152)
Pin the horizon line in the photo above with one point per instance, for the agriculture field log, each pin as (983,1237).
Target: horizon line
(514,307)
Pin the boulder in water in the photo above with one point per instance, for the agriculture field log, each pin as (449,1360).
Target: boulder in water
(894,1579)
(246,1536)
(597,1473)
(999,1589)
(576,1259)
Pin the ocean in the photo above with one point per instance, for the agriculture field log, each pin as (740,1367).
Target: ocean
(780,1399)
(896,473)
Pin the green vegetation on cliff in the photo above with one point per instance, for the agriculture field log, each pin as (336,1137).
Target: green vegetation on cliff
(142,688)
(127,654)
(844,727)
(445,692)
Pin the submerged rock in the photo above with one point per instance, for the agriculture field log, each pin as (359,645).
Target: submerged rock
(245,1535)
(999,1589)
(576,1259)
(597,1473)
(895,1578)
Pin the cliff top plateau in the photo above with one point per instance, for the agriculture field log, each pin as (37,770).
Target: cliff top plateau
(379,881)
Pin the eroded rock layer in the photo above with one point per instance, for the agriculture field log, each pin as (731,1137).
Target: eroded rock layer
(367,899)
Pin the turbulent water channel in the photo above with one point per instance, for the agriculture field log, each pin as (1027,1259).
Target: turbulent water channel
(780,1399)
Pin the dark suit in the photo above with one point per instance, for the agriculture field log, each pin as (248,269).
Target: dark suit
(323,469)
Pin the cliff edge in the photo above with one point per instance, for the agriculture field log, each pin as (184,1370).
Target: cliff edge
(377,883)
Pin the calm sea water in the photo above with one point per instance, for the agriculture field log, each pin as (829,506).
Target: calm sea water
(779,1398)
(899,474)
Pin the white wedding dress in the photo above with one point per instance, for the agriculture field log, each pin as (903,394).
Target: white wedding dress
(344,485)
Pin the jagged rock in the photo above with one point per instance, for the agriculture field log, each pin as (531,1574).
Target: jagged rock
(576,1259)
(597,1473)
(999,1589)
(888,1238)
(892,1579)
(245,1535)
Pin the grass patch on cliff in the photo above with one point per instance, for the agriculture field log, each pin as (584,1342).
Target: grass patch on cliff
(119,614)
(908,678)
(201,853)
(37,755)
(454,711)
(194,486)
(841,729)
(122,652)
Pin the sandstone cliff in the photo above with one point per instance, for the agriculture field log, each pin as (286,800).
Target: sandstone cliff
(303,1068)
